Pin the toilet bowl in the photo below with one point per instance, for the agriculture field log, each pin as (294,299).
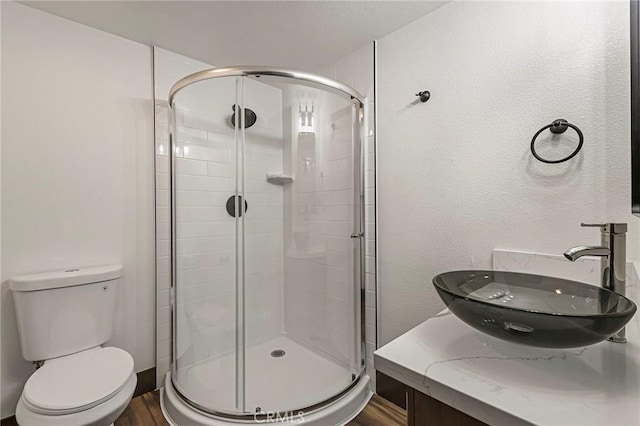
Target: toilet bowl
(64,319)
(92,387)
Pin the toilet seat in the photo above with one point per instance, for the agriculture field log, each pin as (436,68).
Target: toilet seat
(78,382)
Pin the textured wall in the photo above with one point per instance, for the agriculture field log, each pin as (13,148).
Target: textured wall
(456,178)
(77,178)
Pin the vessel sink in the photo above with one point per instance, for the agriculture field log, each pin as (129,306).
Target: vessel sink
(534,310)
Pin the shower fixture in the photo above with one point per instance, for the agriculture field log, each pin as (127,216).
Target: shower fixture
(240,309)
(306,118)
(250,116)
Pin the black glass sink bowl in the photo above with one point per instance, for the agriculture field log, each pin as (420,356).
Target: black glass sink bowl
(534,310)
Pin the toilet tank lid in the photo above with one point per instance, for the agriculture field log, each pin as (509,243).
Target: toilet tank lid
(68,278)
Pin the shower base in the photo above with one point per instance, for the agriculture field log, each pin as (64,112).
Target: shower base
(299,378)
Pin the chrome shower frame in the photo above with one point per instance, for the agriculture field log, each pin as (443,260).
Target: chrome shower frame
(318,82)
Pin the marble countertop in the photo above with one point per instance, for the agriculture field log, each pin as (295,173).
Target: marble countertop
(502,383)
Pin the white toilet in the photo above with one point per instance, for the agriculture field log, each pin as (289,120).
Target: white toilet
(64,318)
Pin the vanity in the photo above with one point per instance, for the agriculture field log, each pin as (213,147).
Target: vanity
(457,375)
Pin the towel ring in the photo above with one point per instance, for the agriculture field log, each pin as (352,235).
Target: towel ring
(558,126)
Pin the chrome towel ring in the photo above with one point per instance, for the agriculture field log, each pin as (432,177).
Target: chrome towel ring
(557,127)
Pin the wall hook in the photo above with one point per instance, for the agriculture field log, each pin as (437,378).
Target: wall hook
(559,126)
(424,95)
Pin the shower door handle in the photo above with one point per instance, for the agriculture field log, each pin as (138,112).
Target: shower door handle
(356,235)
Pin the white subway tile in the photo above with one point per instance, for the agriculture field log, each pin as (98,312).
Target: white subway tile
(162,148)
(162,164)
(162,181)
(227,170)
(163,248)
(340,244)
(202,214)
(370,282)
(370,299)
(202,260)
(163,281)
(163,298)
(191,167)
(203,275)
(163,265)
(196,152)
(338,229)
(206,244)
(370,264)
(190,135)
(369,179)
(162,131)
(163,198)
(206,229)
(370,230)
(164,315)
(370,319)
(162,366)
(369,350)
(162,214)
(162,114)
(162,231)
(194,198)
(202,183)
(164,346)
(370,247)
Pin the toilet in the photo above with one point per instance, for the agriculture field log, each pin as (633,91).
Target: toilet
(64,319)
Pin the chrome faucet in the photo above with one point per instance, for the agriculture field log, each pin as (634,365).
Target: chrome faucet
(613,254)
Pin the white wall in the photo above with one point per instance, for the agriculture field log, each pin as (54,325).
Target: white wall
(456,178)
(77,177)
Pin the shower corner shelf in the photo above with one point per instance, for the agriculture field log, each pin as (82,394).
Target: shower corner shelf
(279,178)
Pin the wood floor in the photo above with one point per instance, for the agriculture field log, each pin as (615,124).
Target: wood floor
(380,412)
(144,410)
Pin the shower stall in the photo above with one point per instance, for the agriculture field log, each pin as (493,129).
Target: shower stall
(267,249)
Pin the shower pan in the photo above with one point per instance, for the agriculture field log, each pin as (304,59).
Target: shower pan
(267,249)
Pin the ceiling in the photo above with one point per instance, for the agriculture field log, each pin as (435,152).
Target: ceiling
(296,34)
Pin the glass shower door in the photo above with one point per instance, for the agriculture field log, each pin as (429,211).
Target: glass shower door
(302,266)
(207,235)
(266,223)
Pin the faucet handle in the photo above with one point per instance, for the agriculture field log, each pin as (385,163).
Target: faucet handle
(613,228)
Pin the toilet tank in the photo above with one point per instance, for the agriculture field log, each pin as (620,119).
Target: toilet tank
(60,313)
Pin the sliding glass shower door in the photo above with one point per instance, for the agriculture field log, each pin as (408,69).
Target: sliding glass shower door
(207,250)
(267,206)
